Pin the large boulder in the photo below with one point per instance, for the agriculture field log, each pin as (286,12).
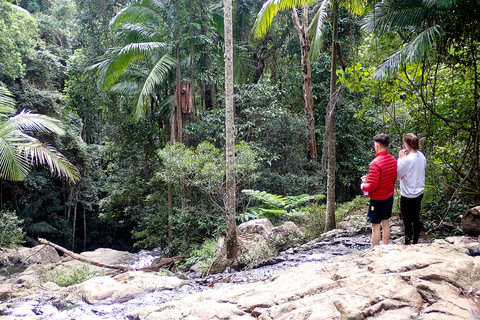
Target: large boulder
(263,227)
(29,256)
(286,236)
(436,281)
(471,221)
(259,240)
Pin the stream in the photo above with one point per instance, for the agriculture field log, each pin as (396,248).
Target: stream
(110,310)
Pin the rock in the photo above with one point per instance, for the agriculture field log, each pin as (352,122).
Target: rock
(262,227)
(471,221)
(286,236)
(29,256)
(6,290)
(395,282)
(123,287)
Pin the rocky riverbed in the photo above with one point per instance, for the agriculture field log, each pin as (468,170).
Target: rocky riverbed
(337,276)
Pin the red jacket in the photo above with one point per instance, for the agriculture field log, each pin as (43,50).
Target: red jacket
(381,178)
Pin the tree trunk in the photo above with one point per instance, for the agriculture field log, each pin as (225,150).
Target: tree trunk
(73,228)
(230,201)
(170,213)
(330,123)
(84,230)
(306,78)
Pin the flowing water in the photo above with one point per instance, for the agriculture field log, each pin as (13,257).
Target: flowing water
(110,310)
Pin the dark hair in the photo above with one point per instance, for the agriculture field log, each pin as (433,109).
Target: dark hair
(411,140)
(382,139)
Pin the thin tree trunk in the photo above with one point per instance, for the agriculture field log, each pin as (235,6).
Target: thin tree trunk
(84,230)
(170,213)
(230,201)
(330,124)
(306,78)
(73,228)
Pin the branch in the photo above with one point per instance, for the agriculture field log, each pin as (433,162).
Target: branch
(81,258)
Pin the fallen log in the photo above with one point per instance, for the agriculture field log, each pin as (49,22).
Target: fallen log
(82,258)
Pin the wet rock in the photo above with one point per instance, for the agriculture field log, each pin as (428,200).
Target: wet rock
(387,282)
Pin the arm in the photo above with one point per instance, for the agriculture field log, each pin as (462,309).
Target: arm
(373,180)
(402,167)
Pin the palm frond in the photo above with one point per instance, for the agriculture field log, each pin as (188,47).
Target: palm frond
(32,122)
(395,15)
(7,103)
(117,61)
(155,77)
(40,227)
(144,11)
(13,166)
(411,52)
(269,11)
(39,153)
(315,29)
(126,88)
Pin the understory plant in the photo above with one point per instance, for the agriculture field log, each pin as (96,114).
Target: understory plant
(313,222)
(68,277)
(277,208)
(11,231)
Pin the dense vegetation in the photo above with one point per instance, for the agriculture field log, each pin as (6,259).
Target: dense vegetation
(153,176)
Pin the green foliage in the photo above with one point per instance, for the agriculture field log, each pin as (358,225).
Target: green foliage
(204,167)
(313,222)
(17,38)
(202,253)
(11,231)
(65,277)
(278,208)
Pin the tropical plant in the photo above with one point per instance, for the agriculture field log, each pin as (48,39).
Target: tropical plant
(11,231)
(276,207)
(424,26)
(308,39)
(145,29)
(19,151)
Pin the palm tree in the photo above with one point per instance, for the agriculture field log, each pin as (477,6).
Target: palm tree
(141,61)
(310,38)
(19,151)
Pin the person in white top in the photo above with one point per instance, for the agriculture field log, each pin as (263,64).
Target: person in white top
(411,172)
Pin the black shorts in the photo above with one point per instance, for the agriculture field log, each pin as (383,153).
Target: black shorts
(379,210)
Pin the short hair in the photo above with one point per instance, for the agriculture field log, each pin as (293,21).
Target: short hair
(382,139)
(411,140)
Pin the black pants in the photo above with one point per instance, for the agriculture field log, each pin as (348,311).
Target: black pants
(410,208)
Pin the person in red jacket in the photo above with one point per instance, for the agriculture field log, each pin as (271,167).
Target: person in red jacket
(380,185)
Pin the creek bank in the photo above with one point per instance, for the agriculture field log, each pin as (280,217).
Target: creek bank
(438,281)
(113,298)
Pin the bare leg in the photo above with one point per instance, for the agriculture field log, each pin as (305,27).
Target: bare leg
(375,234)
(386,231)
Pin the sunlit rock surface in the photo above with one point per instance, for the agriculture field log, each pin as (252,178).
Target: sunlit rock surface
(427,281)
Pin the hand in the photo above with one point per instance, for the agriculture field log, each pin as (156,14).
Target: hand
(402,153)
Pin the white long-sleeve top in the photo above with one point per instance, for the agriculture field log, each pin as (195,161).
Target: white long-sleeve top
(411,172)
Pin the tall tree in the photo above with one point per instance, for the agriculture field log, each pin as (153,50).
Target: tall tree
(310,49)
(263,23)
(230,201)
